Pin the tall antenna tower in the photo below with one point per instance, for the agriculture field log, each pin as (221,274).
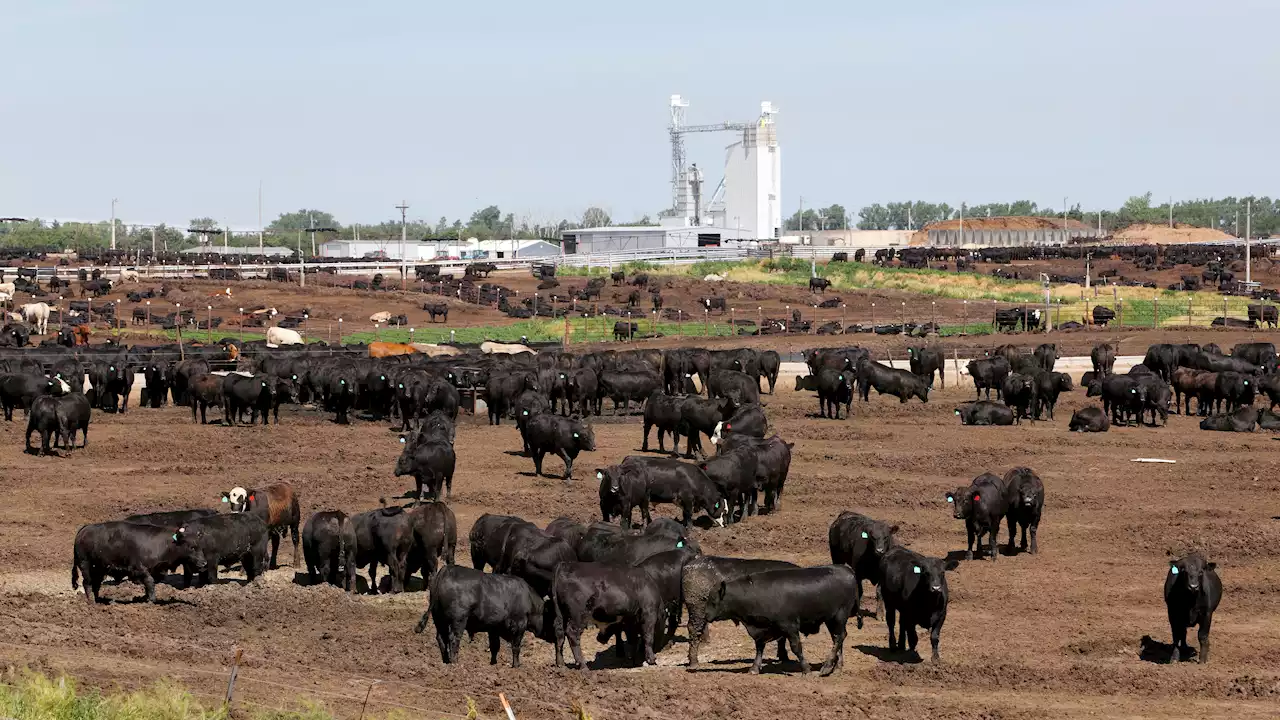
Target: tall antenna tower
(678,104)
(680,200)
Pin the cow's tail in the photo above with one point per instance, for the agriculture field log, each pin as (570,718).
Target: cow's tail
(555,593)
(75,569)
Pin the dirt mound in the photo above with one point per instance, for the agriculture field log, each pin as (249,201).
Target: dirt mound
(1147,234)
(1007,223)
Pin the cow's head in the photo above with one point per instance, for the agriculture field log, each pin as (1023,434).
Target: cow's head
(237,499)
(188,544)
(877,535)
(584,436)
(961,501)
(1189,572)
(610,478)
(932,573)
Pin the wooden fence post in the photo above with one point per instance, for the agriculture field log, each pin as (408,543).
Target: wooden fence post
(1155,312)
(231,681)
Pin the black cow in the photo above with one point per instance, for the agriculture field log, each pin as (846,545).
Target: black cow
(834,387)
(257,394)
(985,412)
(1157,399)
(156,388)
(642,482)
(818,284)
(528,553)
(141,553)
(329,543)
(861,543)
(924,361)
(914,590)
(988,374)
(982,505)
(1264,313)
(1123,397)
(1025,499)
(1089,419)
(1235,390)
(112,381)
(625,330)
(1020,394)
(1261,354)
(469,601)
(770,364)
(773,458)
(586,592)
(502,389)
(624,387)
(384,536)
(226,540)
(734,475)
(1046,355)
(749,420)
(431,463)
(700,581)
(739,387)
(712,303)
(782,604)
(700,417)
(1048,385)
(437,309)
(1103,356)
(605,543)
(663,412)
(902,384)
(566,437)
(43,418)
(582,391)
(1242,420)
(1192,592)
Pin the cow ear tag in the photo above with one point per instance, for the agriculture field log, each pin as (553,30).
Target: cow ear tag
(225,500)
(599,476)
(175,537)
(977,498)
(680,544)
(575,434)
(915,569)
(864,536)
(1173,570)
(401,440)
(252,497)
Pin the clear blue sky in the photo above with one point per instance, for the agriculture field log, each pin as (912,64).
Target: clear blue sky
(180,109)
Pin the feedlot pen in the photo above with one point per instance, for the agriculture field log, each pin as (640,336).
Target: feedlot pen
(1077,631)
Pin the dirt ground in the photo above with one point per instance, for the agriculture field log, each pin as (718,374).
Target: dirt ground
(1059,634)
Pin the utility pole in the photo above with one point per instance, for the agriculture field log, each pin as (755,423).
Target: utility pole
(113,223)
(1248,228)
(1064,217)
(1170,211)
(403,207)
(153,240)
(259,217)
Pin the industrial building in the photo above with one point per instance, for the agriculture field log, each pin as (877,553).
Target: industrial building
(267,250)
(443,249)
(745,205)
(1038,237)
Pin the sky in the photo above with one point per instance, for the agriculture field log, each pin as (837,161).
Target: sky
(182,110)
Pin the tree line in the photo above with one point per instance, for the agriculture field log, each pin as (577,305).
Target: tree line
(1226,214)
(294,229)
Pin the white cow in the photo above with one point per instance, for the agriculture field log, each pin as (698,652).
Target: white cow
(490,348)
(5,297)
(8,289)
(37,314)
(432,350)
(277,336)
(129,276)
(380,317)
(713,278)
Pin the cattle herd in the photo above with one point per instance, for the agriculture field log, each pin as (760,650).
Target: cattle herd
(635,583)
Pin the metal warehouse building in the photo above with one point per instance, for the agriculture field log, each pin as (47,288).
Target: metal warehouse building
(620,239)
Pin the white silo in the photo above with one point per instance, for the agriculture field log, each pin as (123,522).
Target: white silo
(753,180)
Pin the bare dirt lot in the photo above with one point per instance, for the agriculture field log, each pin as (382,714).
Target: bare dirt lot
(1059,634)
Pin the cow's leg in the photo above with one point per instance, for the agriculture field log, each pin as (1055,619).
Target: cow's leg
(149,583)
(495,644)
(1179,640)
(1203,636)
(857,601)
(537,462)
(993,540)
(935,634)
(968,552)
(275,547)
(837,628)
(1034,548)
(1013,531)
(644,447)
(297,546)
(793,638)
(568,464)
(644,511)
(573,634)
(755,666)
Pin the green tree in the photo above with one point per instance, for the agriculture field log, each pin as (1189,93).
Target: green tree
(303,220)
(596,217)
(204,223)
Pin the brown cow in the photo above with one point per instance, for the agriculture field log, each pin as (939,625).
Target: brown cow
(387,349)
(277,506)
(82,333)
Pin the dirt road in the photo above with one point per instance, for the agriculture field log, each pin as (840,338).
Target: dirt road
(1060,634)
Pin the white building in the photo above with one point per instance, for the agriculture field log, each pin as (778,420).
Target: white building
(619,239)
(753,182)
(425,250)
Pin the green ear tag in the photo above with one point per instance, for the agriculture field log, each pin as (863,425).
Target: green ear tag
(915,569)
